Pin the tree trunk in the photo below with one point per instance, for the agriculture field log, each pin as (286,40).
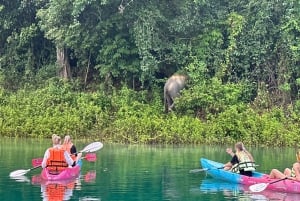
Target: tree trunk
(63,62)
(87,70)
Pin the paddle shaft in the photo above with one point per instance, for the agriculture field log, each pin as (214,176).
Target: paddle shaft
(205,169)
(214,168)
(90,157)
(35,167)
(273,182)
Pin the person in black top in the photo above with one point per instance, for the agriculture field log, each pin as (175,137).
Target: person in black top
(70,148)
(242,156)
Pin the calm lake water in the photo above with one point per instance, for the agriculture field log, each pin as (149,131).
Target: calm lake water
(135,173)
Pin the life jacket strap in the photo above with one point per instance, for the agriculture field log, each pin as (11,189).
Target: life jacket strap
(57,164)
(54,167)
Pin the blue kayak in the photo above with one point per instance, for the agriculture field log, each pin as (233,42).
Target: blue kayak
(215,170)
(223,174)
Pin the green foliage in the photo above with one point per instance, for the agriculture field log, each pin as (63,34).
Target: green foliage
(53,109)
(128,116)
(24,49)
(136,121)
(242,58)
(135,43)
(209,96)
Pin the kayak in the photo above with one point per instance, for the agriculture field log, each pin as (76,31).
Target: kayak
(287,186)
(67,174)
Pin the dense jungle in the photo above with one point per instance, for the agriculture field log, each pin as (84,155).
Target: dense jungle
(97,69)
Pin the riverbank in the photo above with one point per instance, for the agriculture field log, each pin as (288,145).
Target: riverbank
(127,116)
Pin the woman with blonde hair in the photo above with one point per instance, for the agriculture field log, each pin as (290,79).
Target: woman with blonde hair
(242,161)
(55,158)
(293,173)
(70,148)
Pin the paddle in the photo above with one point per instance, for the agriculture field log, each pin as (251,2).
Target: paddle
(90,157)
(262,186)
(204,169)
(95,146)
(18,173)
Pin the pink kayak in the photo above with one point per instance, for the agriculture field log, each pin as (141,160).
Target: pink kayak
(67,174)
(213,169)
(288,186)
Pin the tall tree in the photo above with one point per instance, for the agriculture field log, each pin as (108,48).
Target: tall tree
(55,20)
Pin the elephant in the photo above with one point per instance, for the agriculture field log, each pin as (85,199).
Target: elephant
(172,90)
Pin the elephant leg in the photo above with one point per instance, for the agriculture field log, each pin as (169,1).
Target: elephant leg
(168,103)
(172,105)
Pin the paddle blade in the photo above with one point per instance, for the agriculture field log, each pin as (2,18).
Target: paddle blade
(95,146)
(256,188)
(91,157)
(18,173)
(36,162)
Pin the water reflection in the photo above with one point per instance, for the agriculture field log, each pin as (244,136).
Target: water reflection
(21,179)
(60,190)
(57,190)
(273,195)
(89,199)
(213,185)
(241,192)
(229,190)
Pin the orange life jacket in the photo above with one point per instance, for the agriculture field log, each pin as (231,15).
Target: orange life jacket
(68,147)
(56,161)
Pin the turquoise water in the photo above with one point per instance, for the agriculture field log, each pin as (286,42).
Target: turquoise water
(134,173)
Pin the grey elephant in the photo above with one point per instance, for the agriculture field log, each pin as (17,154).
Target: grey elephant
(172,90)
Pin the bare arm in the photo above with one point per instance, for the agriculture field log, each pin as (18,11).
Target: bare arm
(68,158)
(227,166)
(230,152)
(46,156)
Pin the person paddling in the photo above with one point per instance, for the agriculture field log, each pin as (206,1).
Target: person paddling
(242,161)
(56,159)
(293,173)
(70,148)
